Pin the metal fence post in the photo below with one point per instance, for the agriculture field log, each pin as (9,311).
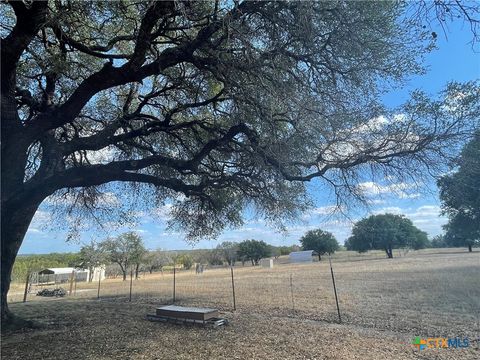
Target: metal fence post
(71,283)
(291,291)
(334,289)
(98,291)
(174,283)
(131,283)
(233,290)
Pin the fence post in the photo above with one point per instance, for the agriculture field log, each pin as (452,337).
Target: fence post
(98,292)
(26,287)
(174,282)
(233,290)
(334,289)
(71,283)
(291,291)
(131,283)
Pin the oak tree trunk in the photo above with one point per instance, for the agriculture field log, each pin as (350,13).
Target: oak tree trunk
(15,222)
(389,252)
(137,268)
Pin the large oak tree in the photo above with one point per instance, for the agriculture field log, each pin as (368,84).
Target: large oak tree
(386,232)
(460,195)
(321,241)
(229,104)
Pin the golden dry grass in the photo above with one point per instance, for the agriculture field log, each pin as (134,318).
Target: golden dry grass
(384,304)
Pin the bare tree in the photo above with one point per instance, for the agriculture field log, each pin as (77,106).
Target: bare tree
(228,251)
(126,250)
(229,104)
(92,256)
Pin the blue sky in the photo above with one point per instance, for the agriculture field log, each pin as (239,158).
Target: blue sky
(454,60)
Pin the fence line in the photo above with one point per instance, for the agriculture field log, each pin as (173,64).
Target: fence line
(312,291)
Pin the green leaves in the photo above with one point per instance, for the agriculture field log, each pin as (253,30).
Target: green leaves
(126,250)
(253,250)
(386,232)
(322,242)
(460,195)
(160,85)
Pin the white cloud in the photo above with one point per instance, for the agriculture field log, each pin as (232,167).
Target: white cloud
(426,210)
(322,210)
(453,101)
(401,190)
(373,188)
(325,210)
(426,217)
(399,118)
(162,213)
(376,201)
(409,196)
(389,210)
(374,124)
(141,231)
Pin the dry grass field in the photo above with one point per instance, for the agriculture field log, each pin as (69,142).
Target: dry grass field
(384,304)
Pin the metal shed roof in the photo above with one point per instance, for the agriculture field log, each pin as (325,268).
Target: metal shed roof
(66,270)
(305,252)
(302,255)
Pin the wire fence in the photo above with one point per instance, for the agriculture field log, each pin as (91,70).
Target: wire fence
(428,296)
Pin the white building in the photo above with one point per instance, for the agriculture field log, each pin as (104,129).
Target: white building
(267,263)
(61,275)
(98,273)
(302,256)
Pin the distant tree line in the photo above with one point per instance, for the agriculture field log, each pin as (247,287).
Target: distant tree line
(29,263)
(127,252)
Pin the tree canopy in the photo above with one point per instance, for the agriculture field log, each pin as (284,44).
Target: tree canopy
(386,232)
(92,256)
(253,250)
(126,250)
(460,196)
(438,241)
(323,242)
(185,260)
(212,106)
(228,251)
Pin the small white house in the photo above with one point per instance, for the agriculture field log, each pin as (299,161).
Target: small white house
(267,263)
(302,256)
(98,273)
